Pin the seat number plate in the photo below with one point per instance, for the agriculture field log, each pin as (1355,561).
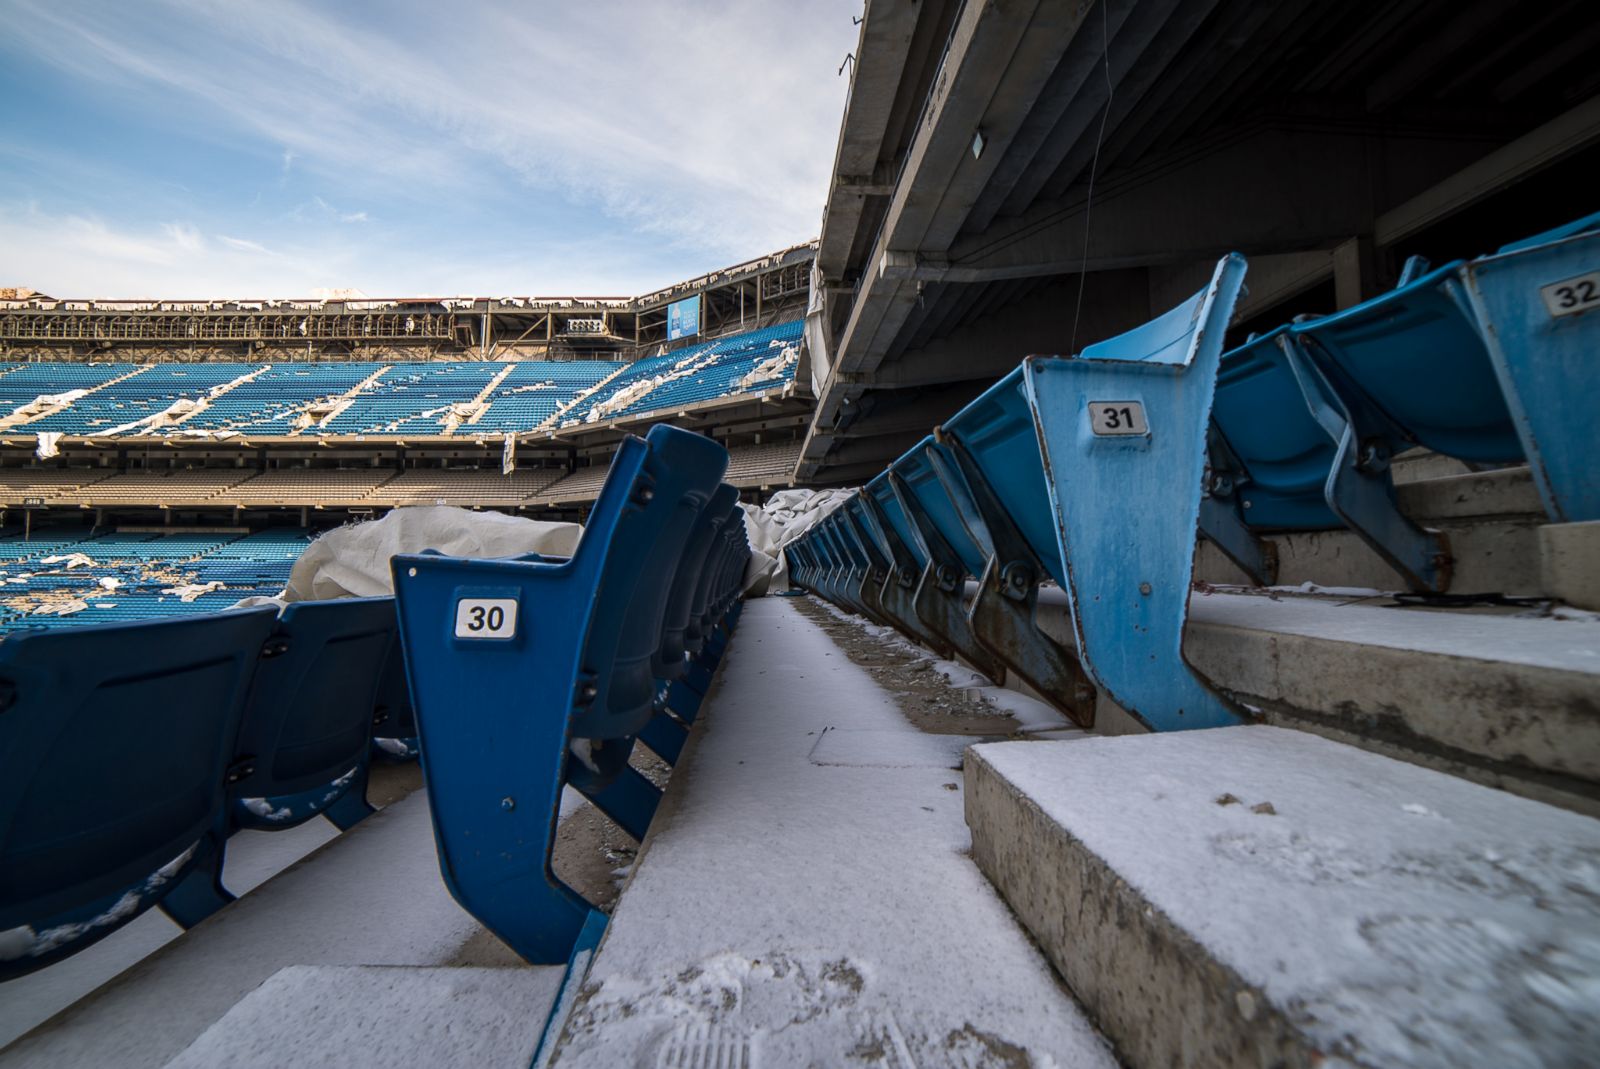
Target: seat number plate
(1573,295)
(1117,418)
(486,618)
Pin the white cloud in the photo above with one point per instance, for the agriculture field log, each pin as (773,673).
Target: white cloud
(711,127)
(599,148)
(241,244)
(185,237)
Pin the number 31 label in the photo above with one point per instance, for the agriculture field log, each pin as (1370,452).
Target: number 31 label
(1573,295)
(1117,417)
(486,618)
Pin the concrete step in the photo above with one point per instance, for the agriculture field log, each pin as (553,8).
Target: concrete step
(1491,519)
(394,1017)
(805,897)
(1504,699)
(1256,896)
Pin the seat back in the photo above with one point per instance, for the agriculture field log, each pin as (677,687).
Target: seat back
(1270,433)
(561,655)
(1538,307)
(998,432)
(308,722)
(115,741)
(394,721)
(680,632)
(647,538)
(921,479)
(1416,352)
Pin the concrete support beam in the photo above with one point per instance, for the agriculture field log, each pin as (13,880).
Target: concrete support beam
(1526,156)
(1355,272)
(887,28)
(1275,191)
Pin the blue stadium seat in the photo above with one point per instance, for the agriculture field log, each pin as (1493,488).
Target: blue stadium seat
(394,720)
(950,557)
(306,739)
(983,541)
(1310,416)
(1537,304)
(1093,465)
(530,674)
(115,744)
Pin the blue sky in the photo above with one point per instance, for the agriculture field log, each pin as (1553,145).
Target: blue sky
(182,148)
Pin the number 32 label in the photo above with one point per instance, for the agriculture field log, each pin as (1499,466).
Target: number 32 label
(1117,418)
(1573,295)
(486,618)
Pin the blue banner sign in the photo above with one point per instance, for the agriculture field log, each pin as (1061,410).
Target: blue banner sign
(683,318)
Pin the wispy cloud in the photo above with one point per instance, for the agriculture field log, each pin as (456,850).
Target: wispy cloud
(241,244)
(702,132)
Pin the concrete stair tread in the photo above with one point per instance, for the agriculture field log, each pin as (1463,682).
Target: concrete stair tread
(392,1017)
(792,907)
(1254,895)
(1568,645)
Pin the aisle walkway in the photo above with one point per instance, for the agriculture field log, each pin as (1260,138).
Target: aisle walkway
(806,897)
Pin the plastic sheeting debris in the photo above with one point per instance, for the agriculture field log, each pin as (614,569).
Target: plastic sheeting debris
(47,444)
(353,561)
(787,515)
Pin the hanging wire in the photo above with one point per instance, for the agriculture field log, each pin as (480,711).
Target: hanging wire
(1094,166)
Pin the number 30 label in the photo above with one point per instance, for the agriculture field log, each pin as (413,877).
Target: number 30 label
(1573,295)
(486,618)
(1117,417)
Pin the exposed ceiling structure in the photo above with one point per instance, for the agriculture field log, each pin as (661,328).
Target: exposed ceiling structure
(1318,137)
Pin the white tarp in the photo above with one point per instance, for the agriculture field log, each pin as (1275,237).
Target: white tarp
(786,516)
(353,561)
(47,444)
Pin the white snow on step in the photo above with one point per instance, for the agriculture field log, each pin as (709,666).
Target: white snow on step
(877,748)
(383,1017)
(791,913)
(372,896)
(1569,645)
(1387,909)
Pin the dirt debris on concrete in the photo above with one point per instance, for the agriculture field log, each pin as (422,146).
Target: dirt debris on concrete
(925,697)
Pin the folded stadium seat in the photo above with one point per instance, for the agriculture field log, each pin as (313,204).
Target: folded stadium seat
(115,744)
(529,674)
(686,689)
(866,569)
(306,739)
(940,599)
(667,732)
(1537,304)
(394,721)
(1409,367)
(968,535)
(701,625)
(1097,460)
(906,564)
